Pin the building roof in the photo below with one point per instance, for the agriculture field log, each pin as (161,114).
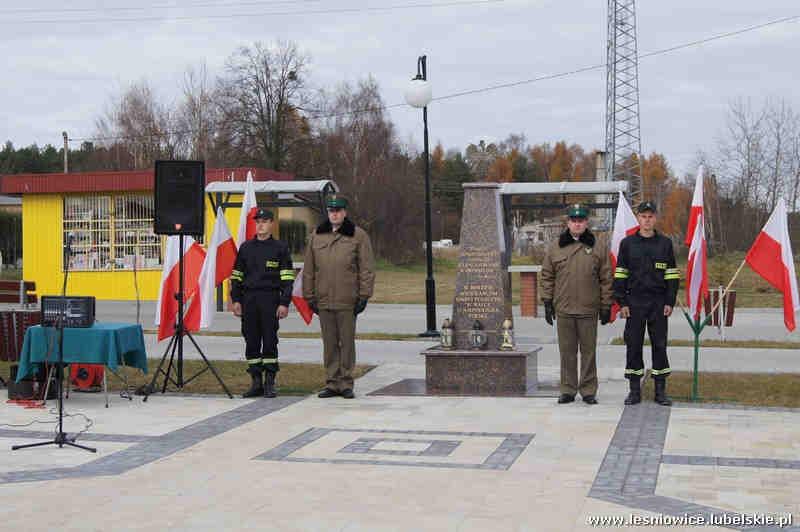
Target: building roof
(123,181)
(237,187)
(6,201)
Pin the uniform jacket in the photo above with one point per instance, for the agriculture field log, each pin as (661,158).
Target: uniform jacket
(263,265)
(576,275)
(646,271)
(338,267)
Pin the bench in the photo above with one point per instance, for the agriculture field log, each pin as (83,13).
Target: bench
(19,292)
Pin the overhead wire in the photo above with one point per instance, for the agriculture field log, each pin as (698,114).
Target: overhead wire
(200,5)
(217,16)
(494,87)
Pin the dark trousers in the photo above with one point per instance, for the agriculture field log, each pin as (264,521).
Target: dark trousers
(649,315)
(260,330)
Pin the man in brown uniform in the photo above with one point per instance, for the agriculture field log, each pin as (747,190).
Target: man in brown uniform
(576,287)
(338,278)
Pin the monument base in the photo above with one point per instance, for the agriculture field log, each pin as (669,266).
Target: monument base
(478,372)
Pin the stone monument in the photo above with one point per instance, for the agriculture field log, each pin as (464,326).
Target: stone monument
(476,364)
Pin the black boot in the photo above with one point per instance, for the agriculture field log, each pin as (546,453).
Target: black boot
(256,385)
(269,385)
(661,392)
(635,395)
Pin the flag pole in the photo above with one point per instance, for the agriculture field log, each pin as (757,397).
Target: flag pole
(727,288)
(697,326)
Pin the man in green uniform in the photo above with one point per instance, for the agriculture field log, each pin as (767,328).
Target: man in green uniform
(338,278)
(576,289)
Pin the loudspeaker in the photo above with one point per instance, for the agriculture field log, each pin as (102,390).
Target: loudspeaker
(179,189)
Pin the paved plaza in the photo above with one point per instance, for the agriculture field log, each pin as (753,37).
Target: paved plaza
(382,462)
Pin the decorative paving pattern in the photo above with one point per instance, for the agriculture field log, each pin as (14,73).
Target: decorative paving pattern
(764,463)
(629,472)
(434,447)
(148,449)
(33,435)
(418,388)
(509,447)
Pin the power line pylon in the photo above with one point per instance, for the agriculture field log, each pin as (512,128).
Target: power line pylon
(623,134)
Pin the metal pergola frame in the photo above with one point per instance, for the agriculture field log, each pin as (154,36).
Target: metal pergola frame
(311,193)
(561,191)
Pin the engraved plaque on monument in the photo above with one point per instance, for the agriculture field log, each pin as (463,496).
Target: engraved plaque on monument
(482,296)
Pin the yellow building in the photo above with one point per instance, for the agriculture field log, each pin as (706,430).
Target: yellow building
(108,217)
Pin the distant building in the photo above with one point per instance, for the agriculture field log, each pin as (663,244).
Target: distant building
(110,217)
(10,204)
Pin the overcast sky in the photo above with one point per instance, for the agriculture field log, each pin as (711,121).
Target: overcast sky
(60,74)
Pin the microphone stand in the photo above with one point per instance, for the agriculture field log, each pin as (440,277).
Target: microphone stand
(61,438)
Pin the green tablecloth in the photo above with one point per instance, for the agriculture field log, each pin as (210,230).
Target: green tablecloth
(102,343)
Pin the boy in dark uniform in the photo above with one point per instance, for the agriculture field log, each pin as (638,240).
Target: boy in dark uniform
(645,286)
(261,289)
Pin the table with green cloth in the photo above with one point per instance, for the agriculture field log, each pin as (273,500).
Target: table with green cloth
(110,344)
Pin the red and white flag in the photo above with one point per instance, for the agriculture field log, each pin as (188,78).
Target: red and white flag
(771,258)
(220,259)
(625,224)
(167,307)
(299,301)
(247,225)
(697,206)
(697,270)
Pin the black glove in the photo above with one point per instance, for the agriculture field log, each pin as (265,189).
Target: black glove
(605,316)
(313,306)
(549,312)
(361,304)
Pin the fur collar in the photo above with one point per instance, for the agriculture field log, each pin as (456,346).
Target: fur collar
(348,228)
(587,238)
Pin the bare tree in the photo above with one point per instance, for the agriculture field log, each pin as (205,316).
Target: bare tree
(138,123)
(359,149)
(197,115)
(262,96)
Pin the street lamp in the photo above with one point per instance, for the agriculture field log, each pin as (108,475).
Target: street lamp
(419,94)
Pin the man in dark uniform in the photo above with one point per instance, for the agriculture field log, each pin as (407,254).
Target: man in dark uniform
(645,286)
(261,289)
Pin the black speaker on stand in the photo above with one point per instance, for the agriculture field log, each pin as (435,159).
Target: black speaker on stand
(180,210)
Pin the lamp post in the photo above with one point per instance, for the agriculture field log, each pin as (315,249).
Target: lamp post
(419,94)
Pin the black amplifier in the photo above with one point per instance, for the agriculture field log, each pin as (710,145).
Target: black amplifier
(75,311)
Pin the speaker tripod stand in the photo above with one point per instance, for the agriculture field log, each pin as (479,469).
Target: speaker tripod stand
(61,439)
(176,346)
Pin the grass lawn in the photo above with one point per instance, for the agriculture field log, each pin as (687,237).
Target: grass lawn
(293,379)
(406,284)
(753,344)
(757,389)
(359,336)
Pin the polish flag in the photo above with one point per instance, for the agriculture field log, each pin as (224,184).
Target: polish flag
(247,225)
(697,270)
(167,307)
(771,258)
(625,224)
(220,259)
(697,206)
(299,301)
